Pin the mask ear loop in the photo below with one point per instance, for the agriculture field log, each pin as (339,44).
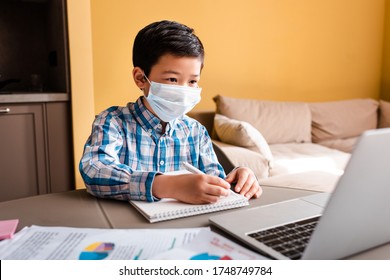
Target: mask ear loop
(143,73)
(147,79)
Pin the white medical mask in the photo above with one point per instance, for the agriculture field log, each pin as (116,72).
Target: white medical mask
(170,102)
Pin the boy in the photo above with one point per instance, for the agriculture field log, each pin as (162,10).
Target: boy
(130,148)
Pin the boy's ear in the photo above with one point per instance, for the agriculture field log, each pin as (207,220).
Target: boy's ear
(139,78)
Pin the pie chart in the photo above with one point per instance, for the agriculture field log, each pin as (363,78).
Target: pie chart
(97,251)
(207,256)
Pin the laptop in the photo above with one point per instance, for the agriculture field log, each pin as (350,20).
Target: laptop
(353,218)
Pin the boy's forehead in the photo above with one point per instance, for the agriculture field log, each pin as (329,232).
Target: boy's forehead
(170,64)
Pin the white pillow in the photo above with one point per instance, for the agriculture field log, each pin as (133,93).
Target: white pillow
(242,134)
(293,119)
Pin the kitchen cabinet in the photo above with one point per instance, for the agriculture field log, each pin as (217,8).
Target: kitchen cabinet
(35,149)
(34,47)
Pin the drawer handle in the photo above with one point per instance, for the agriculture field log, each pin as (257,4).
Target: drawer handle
(5,110)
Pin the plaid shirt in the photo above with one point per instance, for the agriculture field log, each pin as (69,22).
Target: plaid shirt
(127,148)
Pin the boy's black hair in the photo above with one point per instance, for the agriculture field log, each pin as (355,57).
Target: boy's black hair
(163,37)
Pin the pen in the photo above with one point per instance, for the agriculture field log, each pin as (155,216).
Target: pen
(191,168)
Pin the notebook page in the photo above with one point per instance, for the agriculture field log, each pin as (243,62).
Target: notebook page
(168,208)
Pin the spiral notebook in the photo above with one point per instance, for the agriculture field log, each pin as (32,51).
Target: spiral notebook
(168,209)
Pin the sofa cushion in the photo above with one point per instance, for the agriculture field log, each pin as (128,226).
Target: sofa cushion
(320,181)
(342,119)
(345,144)
(306,166)
(242,134)
(292,119)
(295,158)
(384,114)
(244,157)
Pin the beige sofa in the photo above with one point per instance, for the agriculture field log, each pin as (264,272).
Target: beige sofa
(299,145)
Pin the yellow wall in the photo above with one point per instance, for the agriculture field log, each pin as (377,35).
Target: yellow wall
(385,89)
(296,50)
(307,50)
(81,68)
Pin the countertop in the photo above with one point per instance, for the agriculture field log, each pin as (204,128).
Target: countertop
(29,97)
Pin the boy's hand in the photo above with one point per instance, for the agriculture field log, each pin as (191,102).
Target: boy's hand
(191,188)
(246,182)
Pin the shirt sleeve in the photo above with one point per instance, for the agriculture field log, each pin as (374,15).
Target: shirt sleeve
(103,173)
(208,161)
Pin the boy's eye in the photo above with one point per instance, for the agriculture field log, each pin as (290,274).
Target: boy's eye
(193,83)
(172,80)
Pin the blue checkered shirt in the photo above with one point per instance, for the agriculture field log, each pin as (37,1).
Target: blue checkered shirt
(127,149)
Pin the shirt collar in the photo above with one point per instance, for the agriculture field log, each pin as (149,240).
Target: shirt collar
(147,120)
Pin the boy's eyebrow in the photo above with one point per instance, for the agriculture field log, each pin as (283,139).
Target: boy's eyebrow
(178,73)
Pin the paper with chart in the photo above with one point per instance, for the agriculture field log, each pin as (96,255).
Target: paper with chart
(208,245)
(66,243)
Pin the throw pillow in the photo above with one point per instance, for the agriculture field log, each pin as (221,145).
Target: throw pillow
(342,119)
(279,122)
(242,134)
(384,114)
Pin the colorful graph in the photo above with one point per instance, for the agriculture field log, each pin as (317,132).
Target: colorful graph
(97,251)
(207,256)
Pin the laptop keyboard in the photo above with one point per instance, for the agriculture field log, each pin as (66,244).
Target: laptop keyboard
(290,239)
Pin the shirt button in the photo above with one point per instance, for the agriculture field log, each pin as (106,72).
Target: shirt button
(159,125)
(162,162)
(150,130)
(142,197)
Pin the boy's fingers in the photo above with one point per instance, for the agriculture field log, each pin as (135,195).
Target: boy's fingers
(215,190)
(242,179)
(247,185)
(254,191)
(259,192)
(219,182)
(231,176)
